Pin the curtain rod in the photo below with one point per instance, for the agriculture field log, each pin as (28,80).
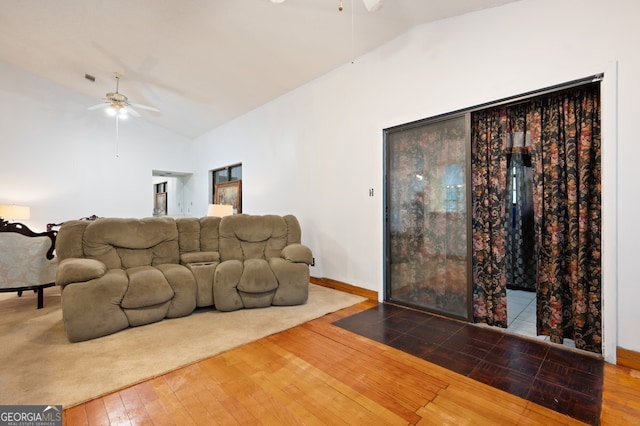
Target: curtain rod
(504,101)
(514,100)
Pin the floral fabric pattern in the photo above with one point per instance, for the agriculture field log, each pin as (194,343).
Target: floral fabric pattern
(488,186)
(24,262)
(567,205)
(565,151)
(427,217)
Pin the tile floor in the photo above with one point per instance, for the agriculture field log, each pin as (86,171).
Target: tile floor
(558,378)
(521,315)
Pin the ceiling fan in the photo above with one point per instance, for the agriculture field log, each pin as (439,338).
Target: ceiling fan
(118,105)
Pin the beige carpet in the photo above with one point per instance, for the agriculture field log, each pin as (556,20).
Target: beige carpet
(38,365)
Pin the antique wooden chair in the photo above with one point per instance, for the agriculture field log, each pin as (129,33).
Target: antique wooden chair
(27,260)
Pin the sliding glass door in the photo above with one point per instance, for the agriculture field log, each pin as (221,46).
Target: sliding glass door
(427,226)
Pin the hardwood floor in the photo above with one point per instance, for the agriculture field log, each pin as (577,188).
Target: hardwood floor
(318,373)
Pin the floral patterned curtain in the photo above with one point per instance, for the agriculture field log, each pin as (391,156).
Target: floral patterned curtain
(561,132)
(488,189)
(565,129)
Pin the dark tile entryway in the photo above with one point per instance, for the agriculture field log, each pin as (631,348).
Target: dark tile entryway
(562,380)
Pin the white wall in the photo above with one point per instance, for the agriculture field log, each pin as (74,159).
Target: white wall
(60,159)
(316,151)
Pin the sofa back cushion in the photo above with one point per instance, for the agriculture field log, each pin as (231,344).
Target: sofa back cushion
(128,243)
(69,239)
(252,237)
(294,232)
(198,234)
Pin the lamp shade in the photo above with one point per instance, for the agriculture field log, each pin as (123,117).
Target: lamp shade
(220,210)
(13,212)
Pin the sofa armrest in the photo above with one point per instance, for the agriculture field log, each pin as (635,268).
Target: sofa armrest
(297,253)
(75,270)
(199,257)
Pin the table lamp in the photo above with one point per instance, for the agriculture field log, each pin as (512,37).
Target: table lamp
(220,210)
(13,212)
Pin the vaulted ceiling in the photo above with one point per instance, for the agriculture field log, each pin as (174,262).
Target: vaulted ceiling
(202,62)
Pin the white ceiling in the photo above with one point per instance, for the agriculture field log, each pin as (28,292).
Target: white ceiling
(201,62)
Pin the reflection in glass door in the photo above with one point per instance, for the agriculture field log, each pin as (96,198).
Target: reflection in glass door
(427,249)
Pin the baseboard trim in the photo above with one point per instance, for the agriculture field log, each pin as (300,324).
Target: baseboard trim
(628,358)
(347,288)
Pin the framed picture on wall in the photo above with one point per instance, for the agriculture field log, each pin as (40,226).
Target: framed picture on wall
(229,193)
(160,207)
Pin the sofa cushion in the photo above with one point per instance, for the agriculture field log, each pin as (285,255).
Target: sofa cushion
(209,232)
(79,270)
(183,285)
(203,273)
(294,232)
(188,234)
(252,237)
(92,309)
(293,282)
(108,239)
(257,277)
(133,258)
(198,235)
(146,314)
(147,287)
(298,253)
(199,257)
(69,239)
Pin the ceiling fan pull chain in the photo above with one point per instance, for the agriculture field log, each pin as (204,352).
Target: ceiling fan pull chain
(117,138)
(352,34)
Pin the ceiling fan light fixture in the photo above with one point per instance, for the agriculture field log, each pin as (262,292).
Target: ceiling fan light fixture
(111,111)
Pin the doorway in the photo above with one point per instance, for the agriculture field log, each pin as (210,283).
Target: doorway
(172,193)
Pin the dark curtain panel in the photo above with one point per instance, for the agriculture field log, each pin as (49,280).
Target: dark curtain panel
(552,144)
(488,187)
(520,239)
(565,130)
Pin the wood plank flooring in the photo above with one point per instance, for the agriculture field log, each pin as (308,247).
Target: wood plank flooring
(318,373)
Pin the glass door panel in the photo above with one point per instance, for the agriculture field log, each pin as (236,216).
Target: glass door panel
(427,211)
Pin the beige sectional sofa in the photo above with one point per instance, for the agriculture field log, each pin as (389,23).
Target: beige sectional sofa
(115,273)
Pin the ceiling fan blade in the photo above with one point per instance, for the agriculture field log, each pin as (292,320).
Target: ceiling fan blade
(98,106)
(133,111)
(150,108)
